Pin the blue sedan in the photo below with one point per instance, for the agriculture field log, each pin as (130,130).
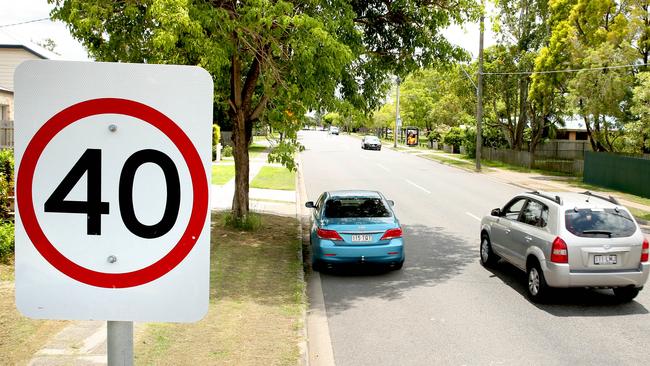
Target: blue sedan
(355,227)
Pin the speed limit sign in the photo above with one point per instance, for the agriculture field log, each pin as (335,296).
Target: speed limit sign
(112,191)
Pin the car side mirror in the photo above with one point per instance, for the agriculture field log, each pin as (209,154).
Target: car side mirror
(496,212)
(391,203)
(310,204)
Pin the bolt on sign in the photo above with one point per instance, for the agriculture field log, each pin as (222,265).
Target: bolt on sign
(112,191)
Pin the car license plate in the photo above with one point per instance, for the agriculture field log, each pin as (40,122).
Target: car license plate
(361,237)
(605,259)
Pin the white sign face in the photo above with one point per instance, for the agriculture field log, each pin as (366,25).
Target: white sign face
(112,179)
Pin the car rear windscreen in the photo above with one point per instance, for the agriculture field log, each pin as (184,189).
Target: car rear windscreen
(345,207)
(608,223)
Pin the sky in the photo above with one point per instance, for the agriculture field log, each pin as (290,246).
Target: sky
(15,11)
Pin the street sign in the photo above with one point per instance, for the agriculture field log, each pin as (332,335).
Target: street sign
(112,191)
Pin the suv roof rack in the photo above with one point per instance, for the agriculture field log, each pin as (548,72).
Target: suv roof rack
(556,199)
(608,199)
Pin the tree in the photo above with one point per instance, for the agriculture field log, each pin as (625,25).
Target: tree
(641,107)
(272,57)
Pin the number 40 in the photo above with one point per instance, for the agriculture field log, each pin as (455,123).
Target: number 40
(90,162)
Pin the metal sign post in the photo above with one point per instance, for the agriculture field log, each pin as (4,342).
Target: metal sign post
(120,343)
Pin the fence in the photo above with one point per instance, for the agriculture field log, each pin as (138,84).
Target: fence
(6,134)
(562,150)
(527,160)
(623,173)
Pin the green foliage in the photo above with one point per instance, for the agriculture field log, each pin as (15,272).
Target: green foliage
(640,130)
(227,151)
(434,135)
(216,137)
(469,141)
(250,222)
(7,241)
(6,182)
(455,136)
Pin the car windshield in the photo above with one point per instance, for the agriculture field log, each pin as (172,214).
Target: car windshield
(372,139)
(347,207)
(599,223)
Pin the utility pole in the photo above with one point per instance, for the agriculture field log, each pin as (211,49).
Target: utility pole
(479,91)
(397,121)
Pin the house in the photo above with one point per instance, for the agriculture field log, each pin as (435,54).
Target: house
(12,53)
(574,129)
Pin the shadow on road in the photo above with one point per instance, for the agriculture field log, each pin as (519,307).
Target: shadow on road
(432,256)
(572,301)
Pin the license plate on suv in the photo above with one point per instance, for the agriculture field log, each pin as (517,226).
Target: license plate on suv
(361,237)
(605,259)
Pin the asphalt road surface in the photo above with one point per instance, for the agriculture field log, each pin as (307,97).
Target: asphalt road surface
(443,307)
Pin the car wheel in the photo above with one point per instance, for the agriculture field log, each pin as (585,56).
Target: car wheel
(537,287)
(626,294)
(488,257)
(379,149)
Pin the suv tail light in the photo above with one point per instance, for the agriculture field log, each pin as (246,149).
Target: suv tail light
(392,234)
(328,234)
(645,249)
(559,252)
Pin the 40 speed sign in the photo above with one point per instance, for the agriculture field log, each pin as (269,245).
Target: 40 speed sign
(112,186)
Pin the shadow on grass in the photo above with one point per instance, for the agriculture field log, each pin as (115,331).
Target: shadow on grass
(569,302)
(433,256)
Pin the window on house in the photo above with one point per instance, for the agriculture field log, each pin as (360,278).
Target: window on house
(4,112)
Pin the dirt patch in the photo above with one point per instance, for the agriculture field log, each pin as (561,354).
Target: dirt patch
(20,337)
(256,303)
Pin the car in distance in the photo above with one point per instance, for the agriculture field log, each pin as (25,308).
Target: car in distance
(355,227)
(334,130)
(568,240)
(370,142)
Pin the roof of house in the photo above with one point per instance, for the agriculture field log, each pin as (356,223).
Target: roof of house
(5,89)
(8,40)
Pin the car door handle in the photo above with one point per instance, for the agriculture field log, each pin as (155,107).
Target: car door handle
(528,238)
(507,231)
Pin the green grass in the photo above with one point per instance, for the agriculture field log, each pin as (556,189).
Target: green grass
(222,174)
(577,182)
(255,150)
(275,178)
(444,160)
(256,303)
(640,214)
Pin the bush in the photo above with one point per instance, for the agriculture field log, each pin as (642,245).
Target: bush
(470,142)
(216,137)
(6,182)
(227,150)
(6,241)
(434,136)
(454,137)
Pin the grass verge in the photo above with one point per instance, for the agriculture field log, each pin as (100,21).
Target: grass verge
(222,174)
(640,214)
(271,177)
(256,303)
(255,150)
(20,337)
(448,161)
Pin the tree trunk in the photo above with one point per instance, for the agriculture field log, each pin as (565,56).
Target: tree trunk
(242,168)
(522,121)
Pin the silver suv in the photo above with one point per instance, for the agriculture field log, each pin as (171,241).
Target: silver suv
(566,239)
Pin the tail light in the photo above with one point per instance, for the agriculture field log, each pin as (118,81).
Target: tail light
(645,249)
(392,234)
(328,234)
(559,252)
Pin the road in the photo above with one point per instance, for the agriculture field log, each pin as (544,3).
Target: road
(444,308)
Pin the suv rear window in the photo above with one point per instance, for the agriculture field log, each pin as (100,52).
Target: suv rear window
(355,207)
(607,223)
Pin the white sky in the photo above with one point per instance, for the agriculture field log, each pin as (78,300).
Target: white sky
(15,11)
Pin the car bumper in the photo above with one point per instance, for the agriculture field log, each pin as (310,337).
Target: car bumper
(560,275)
(392,252)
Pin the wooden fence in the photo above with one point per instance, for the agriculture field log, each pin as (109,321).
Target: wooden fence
(527,160)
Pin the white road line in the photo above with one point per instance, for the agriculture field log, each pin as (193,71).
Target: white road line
(473,216)
(383,167)
(417,186)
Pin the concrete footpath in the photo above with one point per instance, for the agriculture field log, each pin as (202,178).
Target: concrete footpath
(83,343)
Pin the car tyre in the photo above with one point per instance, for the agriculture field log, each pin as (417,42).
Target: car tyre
(398,265)
(488,257)
(626,294)
(537,288)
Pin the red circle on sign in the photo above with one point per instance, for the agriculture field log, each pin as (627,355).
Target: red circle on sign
(147,114)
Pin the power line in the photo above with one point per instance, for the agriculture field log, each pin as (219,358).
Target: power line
(566,70)
(25,22)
